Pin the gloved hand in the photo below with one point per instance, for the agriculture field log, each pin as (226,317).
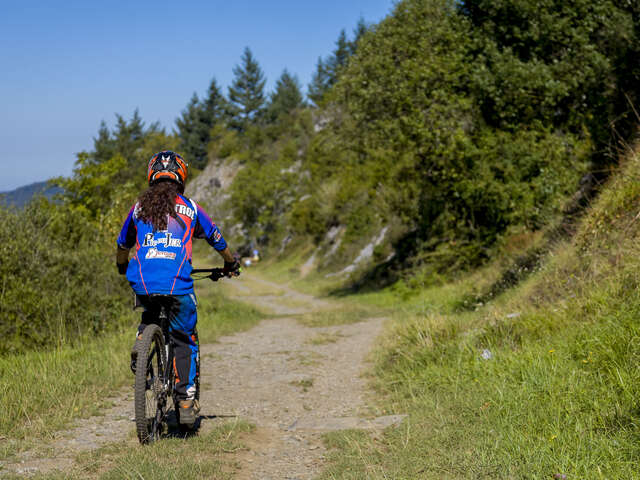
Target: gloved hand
(232,269)
(122,268)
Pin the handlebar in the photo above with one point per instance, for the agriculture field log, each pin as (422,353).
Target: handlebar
(215,273)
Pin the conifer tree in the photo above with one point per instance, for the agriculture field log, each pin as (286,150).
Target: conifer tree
(319,82)
(196,122)
(246,93)
(328,70)
(188,130)
(358,32)
(286,97)
(340,56)
(214,106)
(103,145)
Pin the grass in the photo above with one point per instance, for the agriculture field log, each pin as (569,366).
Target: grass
(540,382)
(305,384)
(325,338)
(42,392)
(197,457)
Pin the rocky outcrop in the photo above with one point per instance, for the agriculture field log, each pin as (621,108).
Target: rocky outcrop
(212,188)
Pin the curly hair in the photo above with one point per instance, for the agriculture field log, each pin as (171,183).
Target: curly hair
(157,203)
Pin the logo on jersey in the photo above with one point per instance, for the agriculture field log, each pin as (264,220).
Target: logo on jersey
(150,240)
(155,253)
(184,210)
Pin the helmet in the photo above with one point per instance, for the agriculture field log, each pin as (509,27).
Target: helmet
(167,165)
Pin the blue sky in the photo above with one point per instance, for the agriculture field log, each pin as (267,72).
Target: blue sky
(67,65)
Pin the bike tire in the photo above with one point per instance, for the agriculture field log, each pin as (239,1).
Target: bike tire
(150,397)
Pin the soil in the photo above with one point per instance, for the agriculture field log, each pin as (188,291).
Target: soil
(292,381)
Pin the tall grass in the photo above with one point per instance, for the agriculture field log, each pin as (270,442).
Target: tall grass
(543,381)
(43,391)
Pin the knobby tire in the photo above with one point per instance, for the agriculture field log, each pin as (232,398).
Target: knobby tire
(150,397)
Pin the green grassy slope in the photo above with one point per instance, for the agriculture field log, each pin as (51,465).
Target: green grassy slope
(542,381)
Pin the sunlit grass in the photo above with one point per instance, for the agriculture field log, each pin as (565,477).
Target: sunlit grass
(201,456)
(42,392)
(541,382)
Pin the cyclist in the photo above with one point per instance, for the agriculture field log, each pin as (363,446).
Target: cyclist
(161,225)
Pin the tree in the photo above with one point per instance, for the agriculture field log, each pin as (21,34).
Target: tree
(214,106)
(570,66)
(361,28)
(319,82)
(188,128)
(196,122)
(246,93)
(341,55)
(328,70)
(286,97)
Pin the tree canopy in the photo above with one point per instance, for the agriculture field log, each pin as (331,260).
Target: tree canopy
(246,92)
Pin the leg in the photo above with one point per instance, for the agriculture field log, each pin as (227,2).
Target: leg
(182,329)
(149,315)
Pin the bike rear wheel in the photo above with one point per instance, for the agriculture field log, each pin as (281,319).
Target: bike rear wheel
(150,385)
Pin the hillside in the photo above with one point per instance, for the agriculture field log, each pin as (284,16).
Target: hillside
(424,157)
(22,195)
(541,381)
(468,171)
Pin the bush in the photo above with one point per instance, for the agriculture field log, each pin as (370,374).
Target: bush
(58,283)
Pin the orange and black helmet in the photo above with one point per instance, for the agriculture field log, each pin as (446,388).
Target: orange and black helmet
(167,165)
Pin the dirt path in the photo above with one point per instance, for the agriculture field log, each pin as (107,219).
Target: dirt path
(292,381)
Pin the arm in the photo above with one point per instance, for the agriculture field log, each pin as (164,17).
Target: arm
(126,240)
(231,265)
(122,259)
(226,255)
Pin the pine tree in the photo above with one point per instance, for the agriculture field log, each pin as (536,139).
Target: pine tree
(286,97)
(188,130)
(328,70)
(103,145)
(128,137)
(358,33)
(340,56)
(214,106)
(246,93)
(319,82)
(196,122)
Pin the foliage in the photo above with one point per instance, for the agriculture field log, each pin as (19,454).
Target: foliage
(564,64)
(286,97)
(460,123)
(264,190)
(246,93)
(57,286)
(542,382)
(329,68)
(196,122)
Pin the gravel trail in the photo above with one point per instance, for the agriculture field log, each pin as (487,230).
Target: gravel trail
(294,382)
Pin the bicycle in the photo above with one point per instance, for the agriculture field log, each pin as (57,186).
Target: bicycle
(154,372)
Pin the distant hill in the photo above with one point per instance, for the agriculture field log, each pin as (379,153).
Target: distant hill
(22,195)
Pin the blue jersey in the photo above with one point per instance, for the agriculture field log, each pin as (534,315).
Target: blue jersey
(162,262)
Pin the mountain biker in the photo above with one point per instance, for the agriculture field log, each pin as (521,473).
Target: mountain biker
(161,225)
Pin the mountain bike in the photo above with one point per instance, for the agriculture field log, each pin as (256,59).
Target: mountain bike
(154,372)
